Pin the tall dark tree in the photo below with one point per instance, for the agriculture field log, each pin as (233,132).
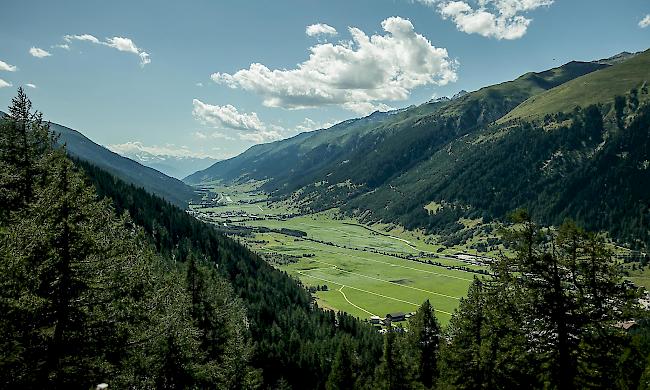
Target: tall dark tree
(342,376)
(393,372)
(85,299)
(424,339)
(575,295)
(24,138)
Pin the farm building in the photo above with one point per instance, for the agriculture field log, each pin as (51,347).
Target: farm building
(395,317)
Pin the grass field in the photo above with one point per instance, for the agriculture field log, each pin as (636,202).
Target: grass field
(365,283)
(359,264)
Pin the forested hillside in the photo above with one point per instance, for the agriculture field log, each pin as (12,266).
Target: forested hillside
(85,297)
(132,291)
(588,164)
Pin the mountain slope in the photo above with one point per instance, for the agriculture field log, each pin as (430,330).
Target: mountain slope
(366,152)
(598,87)
(77,145)
(588,164)
(482,155)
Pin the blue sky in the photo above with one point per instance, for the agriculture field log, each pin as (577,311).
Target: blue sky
(176,77)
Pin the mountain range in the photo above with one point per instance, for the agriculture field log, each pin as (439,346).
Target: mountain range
(567,142)
(171,165)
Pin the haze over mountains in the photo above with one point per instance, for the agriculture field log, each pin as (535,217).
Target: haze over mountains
(80,147)
(174,165)
(459,154)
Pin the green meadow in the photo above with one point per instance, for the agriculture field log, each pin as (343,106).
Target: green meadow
(353,267)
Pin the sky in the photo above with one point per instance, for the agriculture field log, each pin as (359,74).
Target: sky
(212,78)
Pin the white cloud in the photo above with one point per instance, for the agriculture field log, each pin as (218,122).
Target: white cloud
(81,37)
(199,84)
(500,19)
(5,84)
(262,136)
(352,74)
(200,135)
(365,108)
(310,125)
(320,29)
(221,135)
(63,46)
(30,85)
(247,125)
(120,43)
(133,148)
(645,22)
(226,117)
(39,53)
(7,67)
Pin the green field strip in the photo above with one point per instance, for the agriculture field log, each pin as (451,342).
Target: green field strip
(392,264)
(386,281)
(369,292)
(348,301)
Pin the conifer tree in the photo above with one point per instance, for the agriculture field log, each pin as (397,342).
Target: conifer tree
(393,372)
(424,338)
(342,375)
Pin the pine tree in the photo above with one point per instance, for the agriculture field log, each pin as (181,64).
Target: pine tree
(221,319)
(461,362)
(571,296)
(342,375)
(24,138)
(393,372)
(424,339)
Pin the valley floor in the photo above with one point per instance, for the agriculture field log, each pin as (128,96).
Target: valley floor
(363,270)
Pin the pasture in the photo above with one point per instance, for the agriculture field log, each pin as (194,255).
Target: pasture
(363,267)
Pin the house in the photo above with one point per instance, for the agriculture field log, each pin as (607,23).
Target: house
(395,317)
(626,325)
(375,320)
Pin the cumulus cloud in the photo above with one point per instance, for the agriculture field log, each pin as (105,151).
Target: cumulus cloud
(226,117)
(6,67)
(63,46)
(120,43)
(5,84)
(367,70)
(310,125)
(645,22)
(39,53)
(30,85)
(246,126)
(500,19)
(133,148)
(81,37)
(320,29)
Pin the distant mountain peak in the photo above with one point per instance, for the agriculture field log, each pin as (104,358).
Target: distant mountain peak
(459,94)
(615,59)
(455,96)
